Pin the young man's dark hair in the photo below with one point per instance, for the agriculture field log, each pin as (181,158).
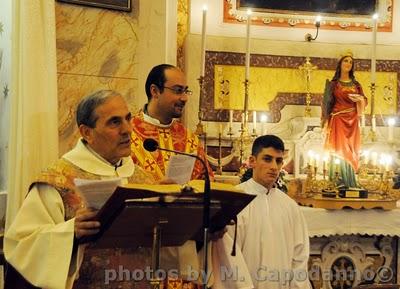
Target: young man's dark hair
(157,77)
(266,141)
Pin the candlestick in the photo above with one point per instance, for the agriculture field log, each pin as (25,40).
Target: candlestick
(362,120)
(248,44)
(219,168)
(373,123)
(324,162)
(388,162)
(372,133)
(230,118)
(366,157)
(337,162)
(382,163)
(310,154)
(373,56)
(374,157)
(254,120)
(316,161)
(220,129)
(263,120)
(203,41)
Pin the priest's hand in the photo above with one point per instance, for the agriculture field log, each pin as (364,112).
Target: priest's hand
(85,225)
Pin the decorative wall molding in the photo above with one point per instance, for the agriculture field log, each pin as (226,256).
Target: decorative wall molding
(346,261)
(282,99)
(279,18)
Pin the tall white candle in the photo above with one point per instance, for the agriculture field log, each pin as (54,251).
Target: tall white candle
(391,123)
(374,157)
(389,160)
(248,44)
(254,120)
(366,157)
(390,133)
(373,123)
(263,120)
(337,163)
(316,161)
(325,161)
(373,54)
(310,154)
(203,41)
(230,118)
(362,121)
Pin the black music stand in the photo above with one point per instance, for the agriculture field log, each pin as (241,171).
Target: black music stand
(134,217)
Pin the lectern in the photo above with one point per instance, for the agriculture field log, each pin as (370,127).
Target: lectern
(163,215)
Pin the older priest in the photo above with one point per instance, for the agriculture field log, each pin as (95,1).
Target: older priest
(40,243)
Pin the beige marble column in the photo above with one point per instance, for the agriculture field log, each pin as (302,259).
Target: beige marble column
(157,38)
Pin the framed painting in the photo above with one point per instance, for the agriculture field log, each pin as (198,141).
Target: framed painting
(352,15)
(124,5)
(353,7)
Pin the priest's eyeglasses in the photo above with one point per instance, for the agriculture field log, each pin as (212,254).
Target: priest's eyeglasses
(179,90)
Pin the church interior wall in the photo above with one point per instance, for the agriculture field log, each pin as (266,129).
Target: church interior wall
(5,95)
(87,59)
(5,81)
(106,49)
(284,44)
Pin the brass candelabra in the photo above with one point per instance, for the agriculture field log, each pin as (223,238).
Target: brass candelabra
(199,127)
(372,132)
(307,68)
(377,181)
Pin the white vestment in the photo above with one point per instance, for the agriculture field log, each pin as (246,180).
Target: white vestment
(39,242)
(273,237)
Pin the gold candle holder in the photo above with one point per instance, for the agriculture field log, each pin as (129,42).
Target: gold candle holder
(199,127)
(219,168)
(372,132)
(307,69)
(337,177)
(254,134)
(230,132)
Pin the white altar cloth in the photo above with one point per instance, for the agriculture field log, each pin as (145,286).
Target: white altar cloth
(322,222)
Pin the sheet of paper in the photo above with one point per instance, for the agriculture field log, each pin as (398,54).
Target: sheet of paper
(180,168)
(97,192)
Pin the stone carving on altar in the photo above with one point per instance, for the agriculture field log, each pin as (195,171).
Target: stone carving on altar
(341,262)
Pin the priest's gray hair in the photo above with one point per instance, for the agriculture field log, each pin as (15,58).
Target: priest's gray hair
(85,113)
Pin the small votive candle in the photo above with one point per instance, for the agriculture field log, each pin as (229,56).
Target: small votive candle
(337,163)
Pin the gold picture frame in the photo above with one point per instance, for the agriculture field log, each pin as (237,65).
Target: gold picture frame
(331,7)
(124,5)
(235,12)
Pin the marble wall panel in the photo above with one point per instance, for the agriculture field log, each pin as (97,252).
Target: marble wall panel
(95,41)
(71,88)
(96,49)
(182,31)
